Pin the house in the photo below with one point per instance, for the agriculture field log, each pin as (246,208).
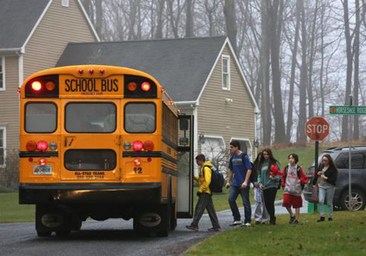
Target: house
(203,77)
(33,35)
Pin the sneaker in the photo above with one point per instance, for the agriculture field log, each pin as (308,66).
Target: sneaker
(292,219)
(214,229)
(258,222)
(236,223)
(330,219)
(295,222)
(246,224)
(321,219)
(194,228)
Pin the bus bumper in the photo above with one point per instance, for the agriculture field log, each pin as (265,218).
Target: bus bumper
(81,193)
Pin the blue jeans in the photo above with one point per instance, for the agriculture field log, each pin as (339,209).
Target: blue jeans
(326,193)
(233,195)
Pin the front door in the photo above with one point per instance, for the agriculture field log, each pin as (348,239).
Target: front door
(90,141)
(185,166)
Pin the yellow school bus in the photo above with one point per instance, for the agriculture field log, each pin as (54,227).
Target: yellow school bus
(103,142)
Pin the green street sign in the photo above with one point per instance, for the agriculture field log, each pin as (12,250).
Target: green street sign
(347,110)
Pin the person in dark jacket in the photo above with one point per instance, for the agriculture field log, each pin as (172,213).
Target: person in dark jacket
(326,179)
(269,183)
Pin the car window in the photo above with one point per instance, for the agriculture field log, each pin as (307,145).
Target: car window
(357,161)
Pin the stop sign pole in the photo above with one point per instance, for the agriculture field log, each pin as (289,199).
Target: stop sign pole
(317,128)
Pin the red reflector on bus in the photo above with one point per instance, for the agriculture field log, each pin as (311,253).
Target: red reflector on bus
(137,161)
(31,145)
(149,145)
(42,161)
(42,145)
(50,86)
(36,86)
(132,86)
(137,145)
(145,86)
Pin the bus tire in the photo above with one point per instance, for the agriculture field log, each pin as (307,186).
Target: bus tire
(44,233)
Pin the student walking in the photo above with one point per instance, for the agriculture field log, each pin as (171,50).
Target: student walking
(269,183)
(326,179)
(260,212)
(293,179)
(204,196)
(238,181)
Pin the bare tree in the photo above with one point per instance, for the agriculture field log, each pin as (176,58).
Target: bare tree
(230,18)
(189,18)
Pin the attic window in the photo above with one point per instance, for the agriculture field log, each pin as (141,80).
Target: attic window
(2,76)
(225,72)
(65,3)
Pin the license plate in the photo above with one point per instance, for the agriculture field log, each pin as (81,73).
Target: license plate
(42,170)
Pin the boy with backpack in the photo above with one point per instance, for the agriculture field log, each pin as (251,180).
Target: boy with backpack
(293,180)
(239,183)
(205,196)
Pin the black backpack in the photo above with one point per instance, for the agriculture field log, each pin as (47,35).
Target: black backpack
(298,174)
(217,180)
(253,175)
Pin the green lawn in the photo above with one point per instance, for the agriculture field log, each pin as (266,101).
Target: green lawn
(344,236)
(12,211)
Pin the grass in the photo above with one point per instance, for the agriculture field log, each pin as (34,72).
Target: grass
(12,211)
(344,236)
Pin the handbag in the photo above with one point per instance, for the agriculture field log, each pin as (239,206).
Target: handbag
(314,195)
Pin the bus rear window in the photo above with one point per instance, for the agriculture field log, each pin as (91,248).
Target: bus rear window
(90,117)
(90,159)
(140,117)
(40,117)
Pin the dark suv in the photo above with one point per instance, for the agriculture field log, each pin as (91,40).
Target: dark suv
(340,156)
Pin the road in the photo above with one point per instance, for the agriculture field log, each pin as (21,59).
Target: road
(111,237)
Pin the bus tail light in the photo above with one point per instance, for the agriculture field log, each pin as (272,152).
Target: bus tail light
(42,161)
(149,145)
(137,145)
(31,145)
(42,145)
(50,86)
(132,86)
(53,145)
(36,86)
(145,86)
(43,87)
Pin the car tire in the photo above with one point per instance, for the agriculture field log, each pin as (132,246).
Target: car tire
(359,200)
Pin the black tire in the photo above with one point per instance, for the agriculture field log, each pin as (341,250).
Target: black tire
(63,233)
(359,200)
(44,234)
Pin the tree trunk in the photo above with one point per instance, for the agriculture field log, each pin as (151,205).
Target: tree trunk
(264,75)
(301,136)
(311,62)
(159,26)
(276,28)
(292,78)
(99,17)
(356,48)
(189,18)
(230,19)
(349,68)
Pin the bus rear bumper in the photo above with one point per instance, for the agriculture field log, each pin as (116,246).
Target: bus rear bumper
(96,193)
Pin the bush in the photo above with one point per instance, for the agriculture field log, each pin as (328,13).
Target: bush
(9,175)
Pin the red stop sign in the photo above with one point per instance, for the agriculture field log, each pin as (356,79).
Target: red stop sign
(317,128)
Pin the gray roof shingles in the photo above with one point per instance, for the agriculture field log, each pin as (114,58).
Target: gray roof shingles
(180,65)
(17,19)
